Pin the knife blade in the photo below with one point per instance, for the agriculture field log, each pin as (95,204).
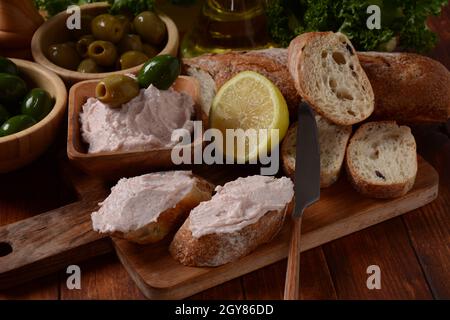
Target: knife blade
(307,161)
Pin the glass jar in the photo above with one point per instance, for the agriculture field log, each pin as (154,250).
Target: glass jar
(225,25)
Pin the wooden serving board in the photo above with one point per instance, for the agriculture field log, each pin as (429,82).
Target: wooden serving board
(54,240)
(340,211)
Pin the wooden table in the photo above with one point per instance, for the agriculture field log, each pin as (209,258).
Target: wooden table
(413,251)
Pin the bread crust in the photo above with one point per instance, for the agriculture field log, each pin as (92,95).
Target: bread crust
(171,218)
(271,63)
(408,87)
(373,190)
(296,63)
(217,249)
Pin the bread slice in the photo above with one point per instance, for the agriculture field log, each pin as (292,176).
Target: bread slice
(381,159)
(333,140)
(327,74)
(123,215)
(242,215)
(408,87)
(219,68)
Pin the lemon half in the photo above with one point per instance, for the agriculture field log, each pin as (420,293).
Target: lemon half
(250,101)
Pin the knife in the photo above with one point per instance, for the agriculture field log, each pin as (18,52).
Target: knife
(307,191)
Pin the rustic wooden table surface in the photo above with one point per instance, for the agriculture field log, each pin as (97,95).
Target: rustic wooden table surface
(413,251)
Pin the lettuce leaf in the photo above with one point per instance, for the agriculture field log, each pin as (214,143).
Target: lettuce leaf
(404,20)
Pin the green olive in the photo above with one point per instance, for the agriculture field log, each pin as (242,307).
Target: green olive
(130,42)
(131,59)
(12,88)
(150,27)
(83,45)
(108,28)
(85,27)
(116,90)
(126,22)
(4,114)
(104,53)
(16,124)
(149,50)
(37,104)
(64,55)
(89,66)
(161,71)
(7,66)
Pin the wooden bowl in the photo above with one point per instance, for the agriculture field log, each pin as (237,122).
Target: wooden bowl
(55,31)
(114,165)
(21,148)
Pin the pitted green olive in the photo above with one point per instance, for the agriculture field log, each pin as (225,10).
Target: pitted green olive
(104,53)
(108,28)
(131,59)
(130,42)
(116,90)
(150,27)
(89,66)
(64,55)
(83,45)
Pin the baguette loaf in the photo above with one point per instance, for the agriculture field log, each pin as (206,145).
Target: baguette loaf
(242,215)
(145,209)
(381,159)
(408,87)
(327,74)
(213,70)
(333,143)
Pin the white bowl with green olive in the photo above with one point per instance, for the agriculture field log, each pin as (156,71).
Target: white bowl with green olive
(106,43)
(32,106)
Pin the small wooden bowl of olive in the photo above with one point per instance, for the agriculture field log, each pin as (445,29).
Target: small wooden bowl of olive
(106,44)
(32,106)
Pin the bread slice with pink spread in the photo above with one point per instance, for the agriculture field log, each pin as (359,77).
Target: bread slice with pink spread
(242,215)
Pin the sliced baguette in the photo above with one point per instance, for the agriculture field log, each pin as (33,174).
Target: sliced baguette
(167,220)
(327,74)
(381,160)
(224,246)
(333,143)
(217,69)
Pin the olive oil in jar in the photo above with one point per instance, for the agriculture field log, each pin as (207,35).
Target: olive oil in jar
(225,25)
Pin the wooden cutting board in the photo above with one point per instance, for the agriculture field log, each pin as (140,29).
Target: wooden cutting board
(340,211)
(51,241)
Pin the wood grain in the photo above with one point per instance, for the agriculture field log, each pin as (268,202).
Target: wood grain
(47,242)
(268,283)
(340,212)
(291,285)
(387,246)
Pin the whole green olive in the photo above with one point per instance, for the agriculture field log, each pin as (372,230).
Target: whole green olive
(116,90)
(126,22)
(108,28)
(161,71)
(4,114)
(104,53)
(12,88)
(130,42)
(83,44)
(85,23)
(7,66)
(131,59)
(150,27)
(64,55)
(149,50)
(16,124)
(89,66)
(37,104)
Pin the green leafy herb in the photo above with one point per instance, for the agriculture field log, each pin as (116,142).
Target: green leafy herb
(403,21)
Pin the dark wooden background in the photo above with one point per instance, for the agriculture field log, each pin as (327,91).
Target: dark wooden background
(413,251)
